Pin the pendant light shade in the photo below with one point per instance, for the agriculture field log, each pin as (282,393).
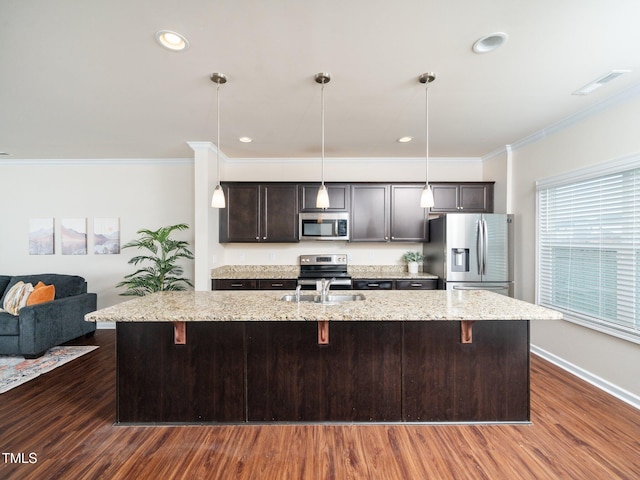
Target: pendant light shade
(322,200)
(426,199)
(218,200)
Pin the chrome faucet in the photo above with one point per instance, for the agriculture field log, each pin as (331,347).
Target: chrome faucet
(323,285)
(298,288)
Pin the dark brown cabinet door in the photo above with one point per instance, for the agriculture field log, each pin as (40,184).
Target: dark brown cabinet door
(280,213)
(338,198)
(430,284)
(408,218)
(260,213)
(463,197)
(240,220)
(476,198)
(370,213)
(445,198)
(357,377)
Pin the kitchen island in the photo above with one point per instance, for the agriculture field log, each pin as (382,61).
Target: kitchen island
(249,357)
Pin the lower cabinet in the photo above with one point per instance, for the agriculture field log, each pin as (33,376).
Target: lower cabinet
(354,378)
(389,284)
(254,284)
(395,371)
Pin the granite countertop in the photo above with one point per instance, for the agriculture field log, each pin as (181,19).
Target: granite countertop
(242,272)
(267,306)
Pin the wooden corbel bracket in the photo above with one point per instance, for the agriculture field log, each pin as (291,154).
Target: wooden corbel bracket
(466,331)
(323,332)
(180,333)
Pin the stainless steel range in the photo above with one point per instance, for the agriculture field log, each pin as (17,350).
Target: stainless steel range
(315,268)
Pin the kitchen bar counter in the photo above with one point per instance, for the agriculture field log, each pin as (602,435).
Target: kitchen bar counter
(240,306)
(246,357)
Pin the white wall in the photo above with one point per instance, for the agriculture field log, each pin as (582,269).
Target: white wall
(606,135)
(141,193)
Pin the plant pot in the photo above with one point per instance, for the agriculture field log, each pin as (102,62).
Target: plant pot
(413,267)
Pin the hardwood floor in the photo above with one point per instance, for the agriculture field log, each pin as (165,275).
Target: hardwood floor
(64,421)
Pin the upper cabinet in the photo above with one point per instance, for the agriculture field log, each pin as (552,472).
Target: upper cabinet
(260,213)
(379,212)
(338,197)
(408,218)
(468,197)
(383,213)
(369,212)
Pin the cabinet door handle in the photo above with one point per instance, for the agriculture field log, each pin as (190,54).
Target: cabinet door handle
(276,285)
(373,285)
(237,285)
(417,285)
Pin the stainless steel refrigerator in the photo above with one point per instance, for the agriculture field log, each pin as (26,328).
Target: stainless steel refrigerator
(471,251)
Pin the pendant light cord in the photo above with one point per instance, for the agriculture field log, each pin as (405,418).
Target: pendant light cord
(322,96)
(218,127)
(427,136)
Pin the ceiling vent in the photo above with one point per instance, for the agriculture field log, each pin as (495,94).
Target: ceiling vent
(590,87)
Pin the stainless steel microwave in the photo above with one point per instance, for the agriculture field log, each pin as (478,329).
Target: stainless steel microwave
(324,226)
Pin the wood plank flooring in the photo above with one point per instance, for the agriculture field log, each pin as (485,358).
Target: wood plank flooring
(65,418)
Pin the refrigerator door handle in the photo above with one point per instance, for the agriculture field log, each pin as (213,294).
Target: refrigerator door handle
(479,246)
(485,246)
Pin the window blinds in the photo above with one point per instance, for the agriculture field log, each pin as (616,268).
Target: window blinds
(589,247)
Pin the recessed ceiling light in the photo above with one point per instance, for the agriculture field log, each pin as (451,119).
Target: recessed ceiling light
(591,86)
(172,40)
(245,139)
(490,42)
(405,139)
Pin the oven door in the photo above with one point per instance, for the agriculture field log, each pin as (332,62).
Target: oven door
(338,283)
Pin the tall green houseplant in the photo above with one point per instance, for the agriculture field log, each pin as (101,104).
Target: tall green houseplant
(160,273)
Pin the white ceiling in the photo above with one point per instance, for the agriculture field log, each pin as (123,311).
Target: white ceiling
(86,79)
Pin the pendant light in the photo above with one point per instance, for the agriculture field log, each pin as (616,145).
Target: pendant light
(217,200)
(426,199)
(322,200)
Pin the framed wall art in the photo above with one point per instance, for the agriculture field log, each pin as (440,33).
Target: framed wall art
(106,236)
(73,236)
(41,237)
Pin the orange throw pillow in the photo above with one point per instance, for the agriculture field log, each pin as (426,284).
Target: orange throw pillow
(41,293)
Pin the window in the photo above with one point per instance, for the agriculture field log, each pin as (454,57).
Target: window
(589,247)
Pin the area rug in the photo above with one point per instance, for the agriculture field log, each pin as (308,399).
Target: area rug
(16,370)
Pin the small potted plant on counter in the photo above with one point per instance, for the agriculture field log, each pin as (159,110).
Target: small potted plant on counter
(413,259)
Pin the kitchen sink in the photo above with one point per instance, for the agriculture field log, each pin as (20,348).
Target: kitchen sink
(331,298)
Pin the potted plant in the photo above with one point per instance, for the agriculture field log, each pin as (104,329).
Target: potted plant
(412,259)
(161,272)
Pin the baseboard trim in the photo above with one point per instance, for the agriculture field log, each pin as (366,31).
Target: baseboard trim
(589,377)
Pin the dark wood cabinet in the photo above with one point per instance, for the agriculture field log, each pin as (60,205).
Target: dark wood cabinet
(260,213)
(339,197)
(468,197)
(369,213)
(383,213)
(371,371)
(356,378)
(277,284)
(373,284)
(417,284)
(380,212)
(391,284)
(254,284)
(408,218)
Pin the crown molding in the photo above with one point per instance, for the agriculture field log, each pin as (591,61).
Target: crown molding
(567,122)
(88,162)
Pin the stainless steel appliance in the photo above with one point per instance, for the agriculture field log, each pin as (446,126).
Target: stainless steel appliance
(315,268)
(324,226)
(471,251)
